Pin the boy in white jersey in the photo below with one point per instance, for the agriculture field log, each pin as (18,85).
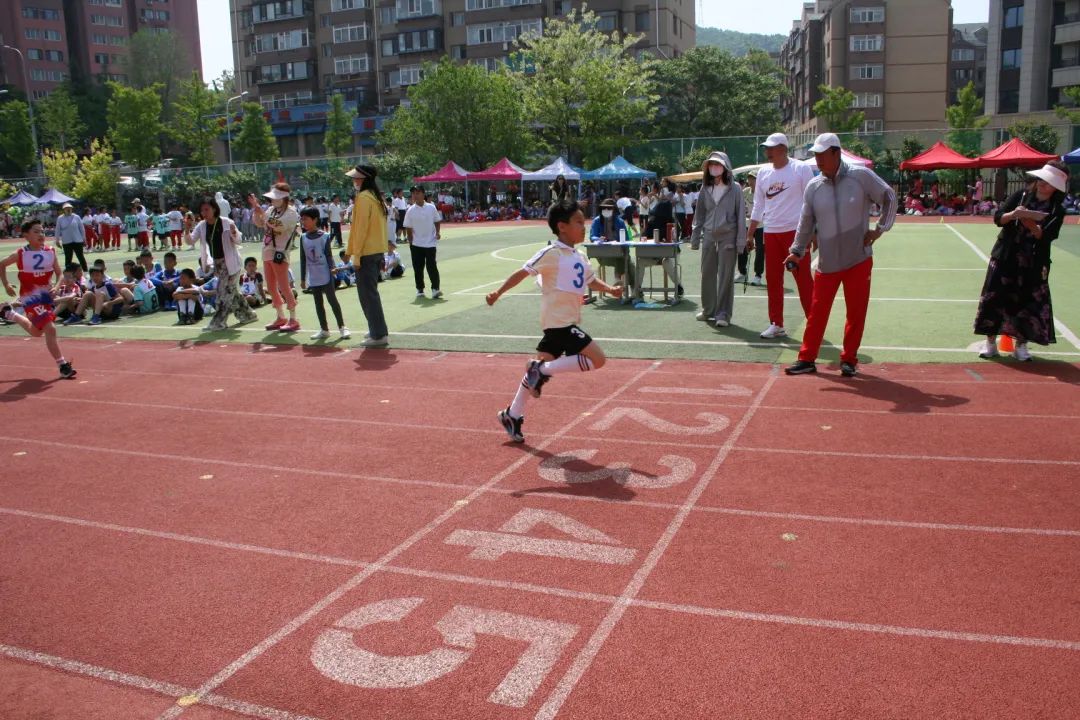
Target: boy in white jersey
(563,274)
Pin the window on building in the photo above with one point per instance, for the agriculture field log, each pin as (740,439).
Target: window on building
(264,12)
(963,54)
(457,52)
(457,19)
(350,33)
(867,72)
(488,4)
(873,126)
(417,8)
(351,65)
(867,43)
(1009,101)
(387,15)
(1014,16)
(502,32)
(489,64)
(405,75)
(278,101)
(419,41)
(338,5)
(1010,59)
(33,13)
(107,20)
(154,15)
(389,48)
(280,72)
(46,75)
(867,14)
(866,100)
(642,21)
(288,146)
(276,42)
(107,3)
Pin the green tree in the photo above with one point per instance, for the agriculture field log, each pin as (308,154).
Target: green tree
(6,189)
(60,167)
(835,109)
(586,91)
(911,147)
(91,97)
(95,181)
(657,162)
(966,122)
(398,168)
(193,124)
(707,92)
(437,126)
(254,142)
(58,120)
(135,123)
(693,160)
(1043,138)
(1072,114)
(158,60)
(339,128)
(239,183)
(16,143)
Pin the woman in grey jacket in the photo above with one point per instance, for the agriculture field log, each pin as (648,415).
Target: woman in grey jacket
(719,224)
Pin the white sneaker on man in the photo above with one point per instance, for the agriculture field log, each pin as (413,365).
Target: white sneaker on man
(1021,352)
(375,342)
(436,294)
(419,293)
(756,280)
(345,334)
(321,335)
(990,349)
(739,277)
(774,331)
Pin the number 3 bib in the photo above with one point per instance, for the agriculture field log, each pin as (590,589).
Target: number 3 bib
(574,274)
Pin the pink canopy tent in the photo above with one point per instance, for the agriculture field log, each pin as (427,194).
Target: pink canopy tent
(852,159)
(450,172)
(1015,153)
(502,170)
(939,157)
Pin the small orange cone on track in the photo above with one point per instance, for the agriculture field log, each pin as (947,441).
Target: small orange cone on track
(1006,344)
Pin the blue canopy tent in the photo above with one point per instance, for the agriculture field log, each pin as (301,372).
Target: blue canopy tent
(21,198)
(1072,158)
(618,169)
(55,197)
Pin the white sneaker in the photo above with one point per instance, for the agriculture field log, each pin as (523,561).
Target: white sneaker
(1021,352)
(990,349)
(345,334)
(721,322)
(701,316)
(773,331)
(756,280)
(321,335)
(739,277)
(419,293)
(436,294)
(375,342)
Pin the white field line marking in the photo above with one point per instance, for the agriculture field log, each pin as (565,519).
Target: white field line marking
(901,456)
(471,291)
(839,296)
(143,683)
(592,648)
(496,253)
(865,627)
(255,652)
(784,344)
(1061,327)
(928,269)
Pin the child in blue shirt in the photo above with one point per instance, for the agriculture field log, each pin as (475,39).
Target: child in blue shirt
(317,271)
(343,272)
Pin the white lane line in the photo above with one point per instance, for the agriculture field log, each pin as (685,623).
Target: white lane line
(471,291)
(300,620)
(840,296)
(1061,327)
(878,268)
(496,253)
(865,627)
(901,456)
(588,653)
(143,683)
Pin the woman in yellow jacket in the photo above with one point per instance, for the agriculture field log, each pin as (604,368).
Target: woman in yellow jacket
(366,248)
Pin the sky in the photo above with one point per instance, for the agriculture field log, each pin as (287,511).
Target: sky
(759,16)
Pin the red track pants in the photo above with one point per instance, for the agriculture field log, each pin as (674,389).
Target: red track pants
(856,282)
(777,248)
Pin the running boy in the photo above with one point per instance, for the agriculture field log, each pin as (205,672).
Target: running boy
(37,264)
(563,274)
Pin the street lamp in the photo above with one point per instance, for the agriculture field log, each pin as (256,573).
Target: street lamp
(30,106)
(228,123)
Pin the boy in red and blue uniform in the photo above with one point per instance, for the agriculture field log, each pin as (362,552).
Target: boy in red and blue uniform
(37,266)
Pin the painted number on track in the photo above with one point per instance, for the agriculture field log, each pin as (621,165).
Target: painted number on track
(714,422)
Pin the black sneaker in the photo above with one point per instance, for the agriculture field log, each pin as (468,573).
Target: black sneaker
(66,371)
(848,369)
(5,310)
(534,379)
(800,367)
(511,425)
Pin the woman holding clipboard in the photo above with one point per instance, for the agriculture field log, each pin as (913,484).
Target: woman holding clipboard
(1015,298)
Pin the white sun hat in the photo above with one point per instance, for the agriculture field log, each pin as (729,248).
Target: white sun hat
(1055,177)
(276,194)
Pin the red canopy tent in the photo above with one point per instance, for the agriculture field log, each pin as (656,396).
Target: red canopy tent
(939,157)
(450,172)
(1015,153)
(502,170)
(852,159)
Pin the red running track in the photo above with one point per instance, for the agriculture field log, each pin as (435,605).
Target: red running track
(210,532)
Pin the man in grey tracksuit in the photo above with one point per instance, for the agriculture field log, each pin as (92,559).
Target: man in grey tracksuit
(837,205)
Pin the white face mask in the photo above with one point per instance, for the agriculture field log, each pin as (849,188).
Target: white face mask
(716,170)
(606,213)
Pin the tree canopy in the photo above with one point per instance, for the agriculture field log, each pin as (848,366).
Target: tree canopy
(254,141)
(339,126)
(835,108)
(135,123)
(966,122)
(58,120)
(193,124)
(16,143)
(158,60)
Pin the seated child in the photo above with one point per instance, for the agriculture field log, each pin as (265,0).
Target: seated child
(251,283)
(188,299)
(104,298)
(168,279)
(69,292)
(344,274)
(392,265)
(146,295)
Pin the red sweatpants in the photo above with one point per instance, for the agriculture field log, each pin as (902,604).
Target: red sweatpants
(856,282)
(777,248)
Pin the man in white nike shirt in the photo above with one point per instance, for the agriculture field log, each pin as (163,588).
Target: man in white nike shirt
(778,202)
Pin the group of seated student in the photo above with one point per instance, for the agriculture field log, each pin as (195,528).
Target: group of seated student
(918,204)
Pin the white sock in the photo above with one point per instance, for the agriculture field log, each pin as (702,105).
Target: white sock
(567,363)
(517,408)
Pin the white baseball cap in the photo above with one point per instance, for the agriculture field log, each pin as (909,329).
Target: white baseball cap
(1053,176)
(776,139)
(824,142)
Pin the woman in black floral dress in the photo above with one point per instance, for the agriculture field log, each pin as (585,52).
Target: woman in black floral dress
(1015,297)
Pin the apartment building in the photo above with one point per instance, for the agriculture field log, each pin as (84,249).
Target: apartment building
(893,54)
(1033,52)
(58,37)
(292,55)
(967,58)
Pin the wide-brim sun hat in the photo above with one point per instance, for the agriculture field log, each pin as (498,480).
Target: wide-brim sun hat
(276,194)
(1054,177)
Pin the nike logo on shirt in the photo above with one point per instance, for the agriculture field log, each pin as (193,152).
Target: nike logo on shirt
(773,191)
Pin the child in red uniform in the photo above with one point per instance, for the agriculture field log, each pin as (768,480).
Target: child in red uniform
(37,264)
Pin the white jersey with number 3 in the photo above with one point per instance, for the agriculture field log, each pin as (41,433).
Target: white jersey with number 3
(564,275)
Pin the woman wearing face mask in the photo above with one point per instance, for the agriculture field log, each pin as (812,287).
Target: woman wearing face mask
(609,227)
(719,224)
(280,225)
(1015,298)
(367,248)
(663,211)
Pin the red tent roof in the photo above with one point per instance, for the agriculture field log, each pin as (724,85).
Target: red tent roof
(939,157)
(1015,153)
(450,172)
(502,170)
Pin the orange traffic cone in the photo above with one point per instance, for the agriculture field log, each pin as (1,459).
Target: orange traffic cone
(1006,344)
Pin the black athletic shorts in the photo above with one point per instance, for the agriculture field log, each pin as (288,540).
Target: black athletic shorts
(569,340)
